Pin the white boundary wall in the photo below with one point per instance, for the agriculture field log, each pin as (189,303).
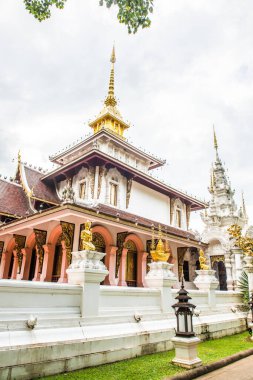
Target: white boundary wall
(64,339)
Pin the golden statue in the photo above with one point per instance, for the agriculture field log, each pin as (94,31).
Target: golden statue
(160,252)
(245,243)
(202,260)
(86,238)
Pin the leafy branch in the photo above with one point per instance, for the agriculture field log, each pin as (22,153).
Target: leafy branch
(133,13)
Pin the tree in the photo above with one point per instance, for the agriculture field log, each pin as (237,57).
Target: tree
(133,13)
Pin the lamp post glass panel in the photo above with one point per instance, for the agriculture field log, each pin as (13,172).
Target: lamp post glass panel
(184,313)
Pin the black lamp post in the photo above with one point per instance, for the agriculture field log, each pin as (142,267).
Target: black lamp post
(184,313)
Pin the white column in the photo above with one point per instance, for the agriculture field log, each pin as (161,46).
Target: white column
(238,262)
(248,267)
(229,271)
(96,182)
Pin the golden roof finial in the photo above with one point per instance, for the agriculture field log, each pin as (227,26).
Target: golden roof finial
(110,99)
(113,56)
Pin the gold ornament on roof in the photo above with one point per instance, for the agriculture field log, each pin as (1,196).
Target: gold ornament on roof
(86,238)
(110,118)
(161,252)
(245,243)
(202,260)
(110,100)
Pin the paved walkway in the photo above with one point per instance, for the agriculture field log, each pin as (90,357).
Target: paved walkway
(240,370)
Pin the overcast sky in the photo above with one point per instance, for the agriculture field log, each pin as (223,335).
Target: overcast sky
(193,68)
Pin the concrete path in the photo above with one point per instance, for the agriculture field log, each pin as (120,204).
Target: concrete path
(240,370)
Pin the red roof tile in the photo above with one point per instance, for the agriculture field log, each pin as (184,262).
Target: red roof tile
(40,189)
(13,200)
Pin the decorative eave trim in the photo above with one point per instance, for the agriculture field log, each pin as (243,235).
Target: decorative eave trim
(11,215)
(134,171)
(119,140)
(101,216)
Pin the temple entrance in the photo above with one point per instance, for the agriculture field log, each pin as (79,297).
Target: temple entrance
(220,271)
(32,265)
(11,266)
(131,264)
(57,263)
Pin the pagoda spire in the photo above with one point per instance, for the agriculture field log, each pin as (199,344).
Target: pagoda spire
(109,117)
(244,206)
(110,99)
(215,142)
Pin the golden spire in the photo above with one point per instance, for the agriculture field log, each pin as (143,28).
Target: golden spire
(110,99)
(109,117)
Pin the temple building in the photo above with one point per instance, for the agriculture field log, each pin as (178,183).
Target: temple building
(220,215)
(108,181)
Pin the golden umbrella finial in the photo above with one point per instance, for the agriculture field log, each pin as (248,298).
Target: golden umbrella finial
(113,56)
(110,99)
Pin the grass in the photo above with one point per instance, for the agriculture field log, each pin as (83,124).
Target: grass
(158,366)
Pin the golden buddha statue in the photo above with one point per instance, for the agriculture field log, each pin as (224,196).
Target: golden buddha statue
(202,260)
(161,252)
(86,238)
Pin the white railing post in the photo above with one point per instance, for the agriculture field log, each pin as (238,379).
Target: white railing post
(88,270)
(207,281)
(160,276)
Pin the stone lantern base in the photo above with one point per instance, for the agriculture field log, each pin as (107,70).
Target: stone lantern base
(186,352)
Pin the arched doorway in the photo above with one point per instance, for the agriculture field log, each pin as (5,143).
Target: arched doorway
(11,266)
(99,242)
(220,271)
(100,246)
(32,264)
(57,261)
(131,264)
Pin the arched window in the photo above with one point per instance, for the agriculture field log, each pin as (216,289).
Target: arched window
(114,191)
(82,189)
(98,241)
(178,217)
(57,261)
(131,265)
